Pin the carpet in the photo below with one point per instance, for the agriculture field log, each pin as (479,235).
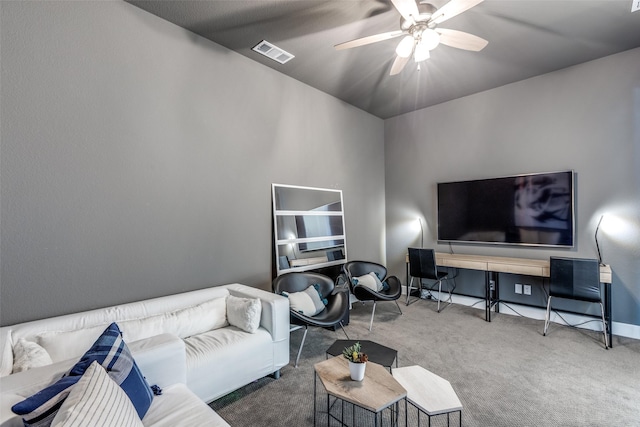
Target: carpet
(505,372)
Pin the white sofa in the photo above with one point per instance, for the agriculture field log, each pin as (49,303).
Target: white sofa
(212,362)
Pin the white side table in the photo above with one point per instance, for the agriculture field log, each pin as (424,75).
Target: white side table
(429,393)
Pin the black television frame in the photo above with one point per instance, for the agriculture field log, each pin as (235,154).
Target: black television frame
(505,179)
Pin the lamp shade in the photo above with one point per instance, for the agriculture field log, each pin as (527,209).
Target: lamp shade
(405,47)
(430,38)
(421,53)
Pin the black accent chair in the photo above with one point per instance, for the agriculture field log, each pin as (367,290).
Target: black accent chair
(422,265)
(578,279)
(337,302)
(360,268)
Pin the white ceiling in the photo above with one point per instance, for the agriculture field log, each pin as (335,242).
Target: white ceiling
(526,38)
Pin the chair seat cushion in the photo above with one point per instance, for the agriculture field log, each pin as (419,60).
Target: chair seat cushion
(308,302)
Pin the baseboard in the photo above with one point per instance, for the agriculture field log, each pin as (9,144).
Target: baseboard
(617,328)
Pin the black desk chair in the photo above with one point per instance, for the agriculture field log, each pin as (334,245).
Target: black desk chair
(422,265)
(355,269)
(578,279)
(336,309)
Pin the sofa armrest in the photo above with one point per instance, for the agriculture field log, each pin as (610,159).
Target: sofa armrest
(275,309)
(162,359)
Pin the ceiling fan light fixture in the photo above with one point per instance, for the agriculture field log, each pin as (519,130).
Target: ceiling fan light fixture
(405,47)
(430,39)
(421,53)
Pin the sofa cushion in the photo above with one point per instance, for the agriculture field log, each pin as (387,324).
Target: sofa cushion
(308,302)
(179,406)
(183,323)
(112,353)
(96,400)
(244,313)
(27,355)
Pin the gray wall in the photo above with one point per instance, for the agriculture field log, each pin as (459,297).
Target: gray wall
(137,159)
(585,118)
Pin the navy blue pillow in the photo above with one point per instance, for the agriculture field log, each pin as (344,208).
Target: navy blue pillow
(113,354)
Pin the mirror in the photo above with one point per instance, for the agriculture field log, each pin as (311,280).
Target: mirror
(308,228)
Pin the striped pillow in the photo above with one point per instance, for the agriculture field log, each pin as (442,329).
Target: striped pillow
(96,400)
(112,353)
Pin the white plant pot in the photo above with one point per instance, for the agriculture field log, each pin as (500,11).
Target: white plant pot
(357,370)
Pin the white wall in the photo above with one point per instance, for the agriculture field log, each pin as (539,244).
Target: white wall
(585,118)
(137,159)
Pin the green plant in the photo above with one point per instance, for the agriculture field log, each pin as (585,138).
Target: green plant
(354,353)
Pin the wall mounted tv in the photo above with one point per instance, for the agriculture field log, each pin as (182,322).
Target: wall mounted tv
(532,209)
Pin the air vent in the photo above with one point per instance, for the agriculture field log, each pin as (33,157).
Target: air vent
(271,51)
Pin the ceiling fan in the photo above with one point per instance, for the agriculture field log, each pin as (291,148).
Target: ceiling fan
(419,25)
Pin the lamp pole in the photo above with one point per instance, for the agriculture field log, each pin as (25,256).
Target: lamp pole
(421,234)
(596,237)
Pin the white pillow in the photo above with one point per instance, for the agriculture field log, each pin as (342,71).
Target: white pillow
(370,281)
(64,345)
(96,400)
(244,313)
(308,302)
(27,355)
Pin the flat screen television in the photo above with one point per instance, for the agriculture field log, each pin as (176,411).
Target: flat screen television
(532,209)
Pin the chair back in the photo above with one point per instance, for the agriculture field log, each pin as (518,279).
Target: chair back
(422,263)
(299,281)
(360,268)
(575,278)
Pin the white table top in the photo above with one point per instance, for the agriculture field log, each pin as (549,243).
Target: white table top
(429,392)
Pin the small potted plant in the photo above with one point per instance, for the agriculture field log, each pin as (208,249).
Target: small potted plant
(357,361)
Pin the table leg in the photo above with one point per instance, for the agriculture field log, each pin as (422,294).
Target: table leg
(328,410)
(315,379)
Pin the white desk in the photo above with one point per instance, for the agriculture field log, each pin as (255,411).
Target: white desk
(530,267)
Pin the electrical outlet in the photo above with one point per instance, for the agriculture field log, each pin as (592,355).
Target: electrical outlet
(527,289)
(518,288)
(635,5)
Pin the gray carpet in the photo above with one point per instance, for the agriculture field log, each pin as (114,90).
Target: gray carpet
(504,372)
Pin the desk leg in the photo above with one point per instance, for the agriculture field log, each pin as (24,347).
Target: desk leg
(607,310)
(315,379)
(496,292)
(487,296)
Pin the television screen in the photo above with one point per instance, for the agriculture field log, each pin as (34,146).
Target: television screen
(532,209)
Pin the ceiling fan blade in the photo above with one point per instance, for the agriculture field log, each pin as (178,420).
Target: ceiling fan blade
(369,39)
(453,8)
(461,40)
(407,8)
(398,65)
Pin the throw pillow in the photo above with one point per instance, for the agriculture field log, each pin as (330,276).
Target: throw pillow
(27,355)
(308,302)
(65,345)
(244,313)
(113,354)
(96,400)
(370,281)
